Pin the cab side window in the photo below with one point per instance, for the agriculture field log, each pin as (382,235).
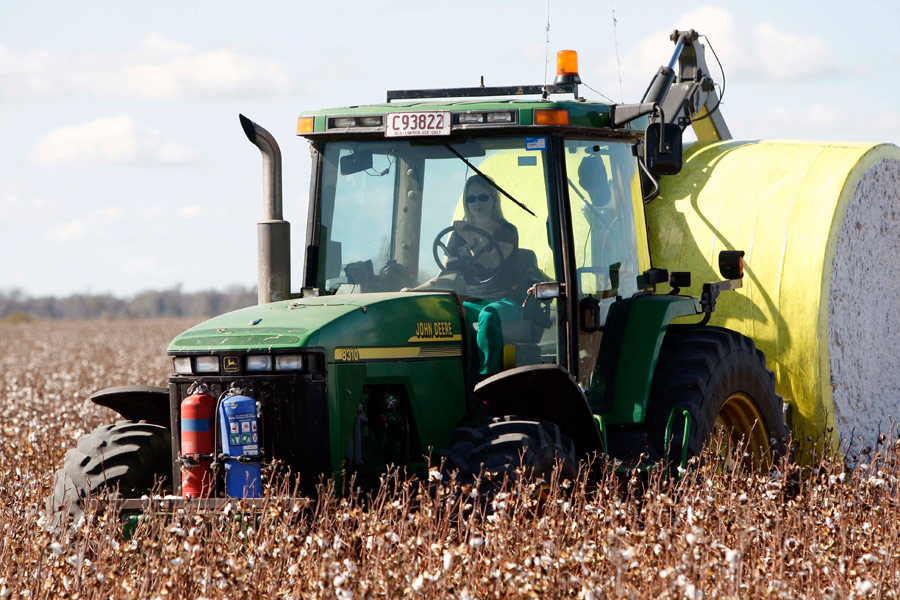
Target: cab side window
(600,177)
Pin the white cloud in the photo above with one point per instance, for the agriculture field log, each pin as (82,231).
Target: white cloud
(25,75)
(218,72)
(191,211)
(758,52)
(116,140)
(805,119)
(11,210)
(17,209)
(157,68)
(171,152)
(80,228)
(783,55)
(156,42)
(72,230)
(639,62)
(145,210)
(823,121)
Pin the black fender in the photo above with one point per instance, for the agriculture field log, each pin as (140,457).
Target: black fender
(545,392)
(137,402)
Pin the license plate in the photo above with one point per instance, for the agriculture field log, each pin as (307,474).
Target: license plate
(417,123)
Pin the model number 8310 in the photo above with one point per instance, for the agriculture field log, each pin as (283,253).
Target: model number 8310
(417,123)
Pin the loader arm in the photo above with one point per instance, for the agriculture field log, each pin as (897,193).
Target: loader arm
(692,96)
(686,97)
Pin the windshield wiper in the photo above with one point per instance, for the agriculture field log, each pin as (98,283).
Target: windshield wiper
(487,179)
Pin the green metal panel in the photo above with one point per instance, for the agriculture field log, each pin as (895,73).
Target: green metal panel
(411,340)
(581,114)
(386,319)
(526,116)
(644,328)
(287,324)
(345,384)
(435,389)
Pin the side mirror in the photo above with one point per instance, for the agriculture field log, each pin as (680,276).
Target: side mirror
(653,276)
(662,148)
(680,279)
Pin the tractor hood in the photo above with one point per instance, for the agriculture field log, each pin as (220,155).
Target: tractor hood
(355,327)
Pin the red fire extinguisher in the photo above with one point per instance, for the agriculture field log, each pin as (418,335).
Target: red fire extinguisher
(198,413)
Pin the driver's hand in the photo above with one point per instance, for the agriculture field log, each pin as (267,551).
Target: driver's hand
(459,225)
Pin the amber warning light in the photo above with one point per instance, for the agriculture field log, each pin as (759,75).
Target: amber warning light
(551,116)
(567,67)
(305,125)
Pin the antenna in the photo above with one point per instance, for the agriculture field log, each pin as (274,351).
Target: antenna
(547,47)
(616,40)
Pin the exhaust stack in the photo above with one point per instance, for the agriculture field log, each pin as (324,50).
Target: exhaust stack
(273,233)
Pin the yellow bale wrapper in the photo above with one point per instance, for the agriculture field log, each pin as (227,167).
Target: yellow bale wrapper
(821,297)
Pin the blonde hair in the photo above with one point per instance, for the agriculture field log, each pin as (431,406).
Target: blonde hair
(497,213)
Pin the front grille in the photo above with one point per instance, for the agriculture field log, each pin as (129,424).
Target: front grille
(293,424)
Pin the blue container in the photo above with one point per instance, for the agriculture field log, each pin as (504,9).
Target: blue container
(240,438)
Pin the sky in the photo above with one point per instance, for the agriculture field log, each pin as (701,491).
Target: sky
(123,166)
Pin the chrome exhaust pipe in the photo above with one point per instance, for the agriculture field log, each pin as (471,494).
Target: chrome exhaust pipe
(273,233)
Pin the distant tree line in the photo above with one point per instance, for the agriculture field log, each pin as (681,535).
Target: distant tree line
(16,306)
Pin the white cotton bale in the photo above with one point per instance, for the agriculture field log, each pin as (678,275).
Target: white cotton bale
(864,329)
(819,225)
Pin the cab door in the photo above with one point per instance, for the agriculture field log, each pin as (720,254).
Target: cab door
(609,237)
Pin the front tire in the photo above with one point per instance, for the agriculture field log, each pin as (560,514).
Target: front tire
(502,445)
(131,458)
(721,379)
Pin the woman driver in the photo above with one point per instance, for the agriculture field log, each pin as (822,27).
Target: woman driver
(486,303)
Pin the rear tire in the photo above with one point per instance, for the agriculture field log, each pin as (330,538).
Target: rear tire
(131,458)
(721,379)
(501,445)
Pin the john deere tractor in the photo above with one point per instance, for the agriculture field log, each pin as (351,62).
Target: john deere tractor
(405,344)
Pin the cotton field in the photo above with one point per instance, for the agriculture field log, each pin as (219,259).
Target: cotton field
(718,532)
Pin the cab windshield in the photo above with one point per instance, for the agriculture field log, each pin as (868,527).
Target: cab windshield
(385,204)
(474,217)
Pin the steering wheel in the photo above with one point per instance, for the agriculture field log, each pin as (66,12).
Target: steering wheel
(473,271)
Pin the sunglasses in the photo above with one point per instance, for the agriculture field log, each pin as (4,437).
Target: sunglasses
(480,198)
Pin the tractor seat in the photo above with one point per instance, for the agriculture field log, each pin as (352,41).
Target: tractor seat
(525,332)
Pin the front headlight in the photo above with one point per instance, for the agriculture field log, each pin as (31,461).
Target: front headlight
(288,362)
(259,362)
(371,121)
(182,365)
(207,364)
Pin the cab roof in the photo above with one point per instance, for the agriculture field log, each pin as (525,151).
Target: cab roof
(364,119)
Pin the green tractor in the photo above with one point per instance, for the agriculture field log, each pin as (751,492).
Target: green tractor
(477,289)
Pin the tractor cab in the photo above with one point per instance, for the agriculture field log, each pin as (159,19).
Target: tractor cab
(561,190)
